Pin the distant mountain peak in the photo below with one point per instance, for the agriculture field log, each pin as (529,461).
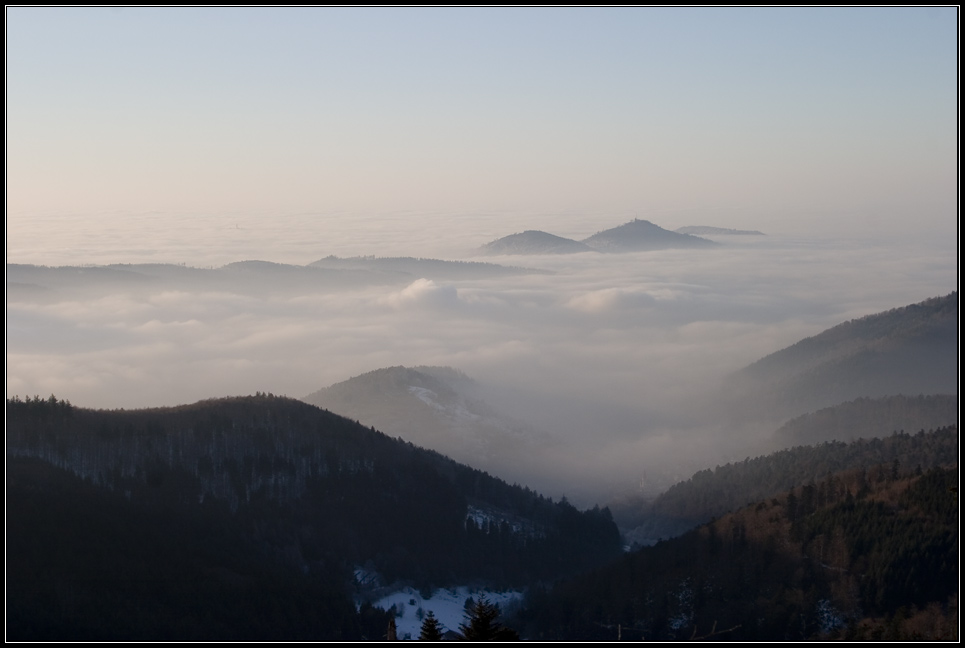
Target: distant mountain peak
(534,242)
(642,235)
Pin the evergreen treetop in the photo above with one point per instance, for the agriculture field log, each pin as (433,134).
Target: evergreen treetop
(431,628)
(482,623)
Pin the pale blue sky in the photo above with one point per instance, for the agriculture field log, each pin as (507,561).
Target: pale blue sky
(763,116)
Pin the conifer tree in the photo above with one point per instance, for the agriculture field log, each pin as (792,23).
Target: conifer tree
(431,628)
(481,623)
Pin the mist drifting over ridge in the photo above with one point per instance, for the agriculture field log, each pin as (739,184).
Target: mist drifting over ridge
(617,358)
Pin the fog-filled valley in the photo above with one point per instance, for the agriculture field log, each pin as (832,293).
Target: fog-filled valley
(613,372)
(642,382)
(569,323)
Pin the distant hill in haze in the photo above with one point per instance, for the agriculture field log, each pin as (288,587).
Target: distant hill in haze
(637,235)
(642,235)
(251,277)
(416,268)
(534,242)
(866,418)
(706,230)
(438,408)
(911,350)
(248,277)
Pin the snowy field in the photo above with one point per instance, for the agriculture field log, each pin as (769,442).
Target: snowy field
(448,605)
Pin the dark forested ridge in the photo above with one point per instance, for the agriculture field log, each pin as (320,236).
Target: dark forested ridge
(863,554)
(711,493)
(284,488)
(243,518)
(910,350)
(85,563)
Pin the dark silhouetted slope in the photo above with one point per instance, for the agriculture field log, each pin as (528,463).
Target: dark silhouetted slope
(308,490)
(711,493)
(89,563)
(861,554)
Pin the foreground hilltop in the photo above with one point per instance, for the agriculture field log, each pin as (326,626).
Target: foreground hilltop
(253,502)
(865,553)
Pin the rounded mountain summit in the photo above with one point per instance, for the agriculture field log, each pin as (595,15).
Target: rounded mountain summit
(642,235)
(534,242)
(635,236)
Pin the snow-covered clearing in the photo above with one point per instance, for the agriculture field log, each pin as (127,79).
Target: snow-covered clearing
(448,605)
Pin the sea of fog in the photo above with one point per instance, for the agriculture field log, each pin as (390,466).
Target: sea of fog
(613,354)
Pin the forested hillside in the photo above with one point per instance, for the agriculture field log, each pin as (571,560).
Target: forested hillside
(865,553)
(85,563)
(910,350)
(870,417)
(711,493)
(290,489)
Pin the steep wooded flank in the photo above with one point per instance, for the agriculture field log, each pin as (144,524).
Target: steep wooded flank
(291,493)
(867,553)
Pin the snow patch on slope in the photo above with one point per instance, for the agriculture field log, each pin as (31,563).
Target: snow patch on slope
(448,605)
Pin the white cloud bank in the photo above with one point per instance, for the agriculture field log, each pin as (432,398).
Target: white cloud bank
(614,355)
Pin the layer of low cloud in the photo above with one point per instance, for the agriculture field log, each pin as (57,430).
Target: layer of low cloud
(614,356)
